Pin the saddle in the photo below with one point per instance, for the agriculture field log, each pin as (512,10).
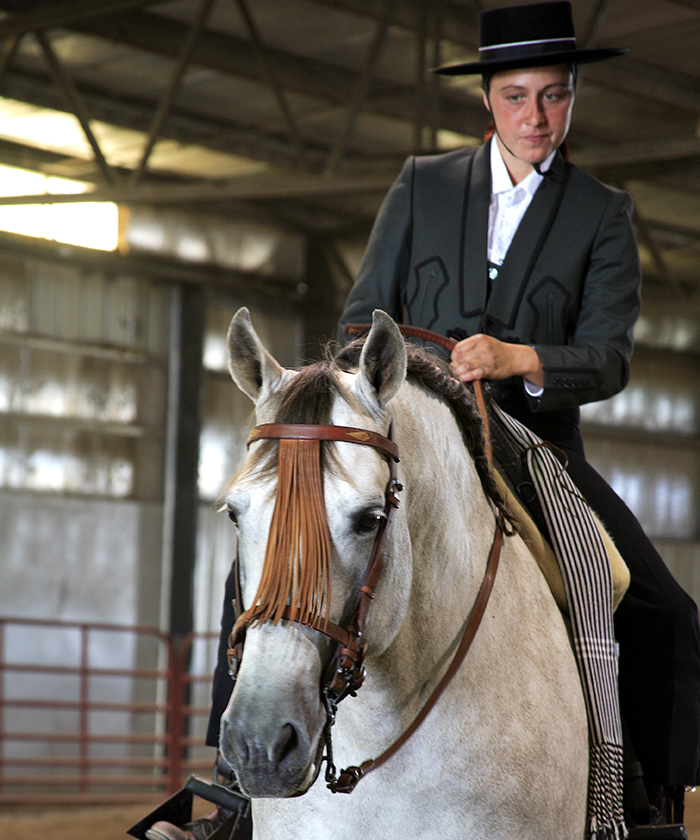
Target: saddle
(543,554)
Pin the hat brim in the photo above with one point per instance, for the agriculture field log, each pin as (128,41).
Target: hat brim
(547,60)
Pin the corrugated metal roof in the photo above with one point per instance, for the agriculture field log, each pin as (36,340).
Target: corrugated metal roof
(338,90)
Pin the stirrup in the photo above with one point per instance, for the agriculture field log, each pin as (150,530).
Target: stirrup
(178,809)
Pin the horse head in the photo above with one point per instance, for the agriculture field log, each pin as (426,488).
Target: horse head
(307,514)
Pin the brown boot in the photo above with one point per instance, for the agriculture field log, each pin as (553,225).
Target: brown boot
(196,830)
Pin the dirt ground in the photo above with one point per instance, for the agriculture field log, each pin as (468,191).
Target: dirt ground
(110,823)
(80,823)
(77,823)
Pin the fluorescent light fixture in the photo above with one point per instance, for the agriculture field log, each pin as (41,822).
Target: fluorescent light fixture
(89,225)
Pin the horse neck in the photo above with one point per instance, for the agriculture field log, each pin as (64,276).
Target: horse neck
(450,521)
(446,505)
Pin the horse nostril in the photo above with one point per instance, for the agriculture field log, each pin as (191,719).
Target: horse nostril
(286,743)
(233,742)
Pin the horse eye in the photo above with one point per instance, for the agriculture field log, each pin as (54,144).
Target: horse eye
(230,512)
(235,508)
(369,521)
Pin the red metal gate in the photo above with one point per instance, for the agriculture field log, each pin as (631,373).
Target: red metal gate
(72,730)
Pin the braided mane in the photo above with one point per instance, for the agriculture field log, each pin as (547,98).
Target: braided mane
(433,373)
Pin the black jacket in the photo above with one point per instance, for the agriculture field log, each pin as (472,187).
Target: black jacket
(570,283)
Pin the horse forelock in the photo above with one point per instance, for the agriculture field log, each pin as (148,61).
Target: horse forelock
(296,567)
(308,397)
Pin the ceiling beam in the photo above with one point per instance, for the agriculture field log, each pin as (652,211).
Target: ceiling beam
(262,186)
(230,137)
(639,160)
(331,83)
(166,102)
(641,80)
(459,24)
(457,21)
(360,88)
(273,80)
(609,163)
(75,104)
(684,148)
(238,58)
(51,15)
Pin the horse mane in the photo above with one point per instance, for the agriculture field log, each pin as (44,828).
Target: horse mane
(296,568)
(433,373)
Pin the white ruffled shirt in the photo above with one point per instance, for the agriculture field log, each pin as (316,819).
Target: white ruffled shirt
(506,210)
(508,203)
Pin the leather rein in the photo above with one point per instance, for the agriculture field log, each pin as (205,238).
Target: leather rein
(346,671)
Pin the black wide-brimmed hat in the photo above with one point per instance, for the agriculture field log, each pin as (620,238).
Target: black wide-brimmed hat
(534,35)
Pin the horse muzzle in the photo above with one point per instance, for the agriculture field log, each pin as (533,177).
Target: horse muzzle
(272,730)
(276,764)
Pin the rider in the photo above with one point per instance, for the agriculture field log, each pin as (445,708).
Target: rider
(533,265)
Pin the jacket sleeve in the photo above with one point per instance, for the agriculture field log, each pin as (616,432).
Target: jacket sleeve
(594,364)
(381,279)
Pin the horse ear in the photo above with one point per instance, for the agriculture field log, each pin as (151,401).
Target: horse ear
(382,362)
(252,368)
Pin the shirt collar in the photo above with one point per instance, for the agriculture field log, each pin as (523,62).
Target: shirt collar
(500,179)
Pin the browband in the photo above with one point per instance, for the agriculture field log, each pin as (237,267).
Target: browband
(347,434)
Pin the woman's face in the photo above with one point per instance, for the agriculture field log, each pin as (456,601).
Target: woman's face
(532,111)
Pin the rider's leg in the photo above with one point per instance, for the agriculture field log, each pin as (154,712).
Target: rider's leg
(657,628)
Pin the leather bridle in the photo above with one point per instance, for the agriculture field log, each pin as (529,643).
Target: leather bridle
(346,671)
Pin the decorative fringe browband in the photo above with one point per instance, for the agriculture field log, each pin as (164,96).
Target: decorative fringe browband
(299,529)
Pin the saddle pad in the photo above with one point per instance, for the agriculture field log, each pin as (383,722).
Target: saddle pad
(544,555)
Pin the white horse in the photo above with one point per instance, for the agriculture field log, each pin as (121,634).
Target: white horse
(504,751)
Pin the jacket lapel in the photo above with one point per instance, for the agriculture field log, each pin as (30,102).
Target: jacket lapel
(514,275)
(474,261)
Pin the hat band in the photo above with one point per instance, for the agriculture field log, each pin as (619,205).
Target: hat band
(525,49)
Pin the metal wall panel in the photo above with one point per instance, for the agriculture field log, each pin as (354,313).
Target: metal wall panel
(645,442)
(662,397)
(227,412)
(226,420)
(82,380)
(660,483)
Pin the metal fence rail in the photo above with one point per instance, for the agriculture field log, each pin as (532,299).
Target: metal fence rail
(74,731)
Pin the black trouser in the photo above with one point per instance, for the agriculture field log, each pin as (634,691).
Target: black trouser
(656,625)
(223,684)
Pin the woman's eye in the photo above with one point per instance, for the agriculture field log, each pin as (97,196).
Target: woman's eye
(369,521)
